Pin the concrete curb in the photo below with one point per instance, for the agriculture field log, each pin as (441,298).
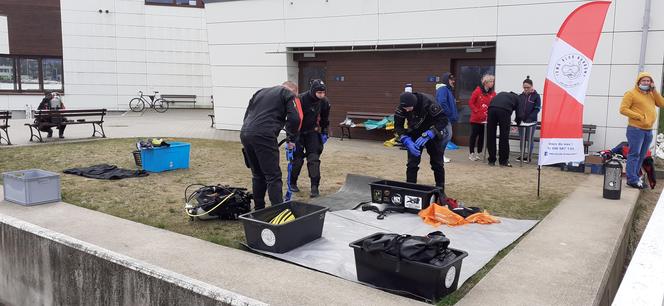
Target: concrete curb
(198,287)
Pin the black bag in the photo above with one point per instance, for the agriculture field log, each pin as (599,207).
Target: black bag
(217,202)
(415,248)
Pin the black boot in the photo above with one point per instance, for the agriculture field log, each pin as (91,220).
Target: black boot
(314,191)
(294,188)
(50,134)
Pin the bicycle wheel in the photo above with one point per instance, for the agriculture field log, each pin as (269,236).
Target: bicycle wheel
(160,105)
(137,104)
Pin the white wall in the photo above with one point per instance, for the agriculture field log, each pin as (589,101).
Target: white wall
(108,58)
(241,32)
(4,36)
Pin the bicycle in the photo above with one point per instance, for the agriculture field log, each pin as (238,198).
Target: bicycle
(138,104)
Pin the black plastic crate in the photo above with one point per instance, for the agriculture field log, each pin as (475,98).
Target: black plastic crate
(423,280)
(573,167)
(413,197)
(307,227)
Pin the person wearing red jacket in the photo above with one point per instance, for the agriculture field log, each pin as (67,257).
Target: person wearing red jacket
(479,104)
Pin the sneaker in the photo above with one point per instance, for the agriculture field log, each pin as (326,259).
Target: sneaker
(471,156)
(492,164)
(294,188)
(445,159)
(518,158)
(637,185)
(507,164)
(477,157)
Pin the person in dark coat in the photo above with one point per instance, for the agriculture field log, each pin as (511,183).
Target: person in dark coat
(500,113)
(530,105)
(52,101)
(268,111)
(426,128)
(313,135)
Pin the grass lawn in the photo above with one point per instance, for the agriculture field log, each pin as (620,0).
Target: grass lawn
(157,200)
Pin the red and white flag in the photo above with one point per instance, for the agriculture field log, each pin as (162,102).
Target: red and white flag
(561,138)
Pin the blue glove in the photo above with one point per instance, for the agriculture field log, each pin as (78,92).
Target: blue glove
(410,145)
(324,137)
(425,137)
(289,151)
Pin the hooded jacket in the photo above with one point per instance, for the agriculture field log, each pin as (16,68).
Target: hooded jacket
(316,112)
(479,103)
(529,106)
(270,109)
(640,107)
(426,115)
(445,98)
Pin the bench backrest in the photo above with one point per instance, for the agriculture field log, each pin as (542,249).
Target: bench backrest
(367,115)
(179,98)
(70,113)
(4,117)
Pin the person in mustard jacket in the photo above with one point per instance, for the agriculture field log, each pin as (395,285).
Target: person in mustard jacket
(639,105)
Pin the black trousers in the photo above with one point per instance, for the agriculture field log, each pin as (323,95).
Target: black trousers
(309,146)
(262,153)
(435,149)
(498,117)
(49,129)
(476,137)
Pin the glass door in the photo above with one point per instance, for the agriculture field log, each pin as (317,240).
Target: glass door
(468,76)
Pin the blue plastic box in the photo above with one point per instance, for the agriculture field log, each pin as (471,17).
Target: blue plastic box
(162,159)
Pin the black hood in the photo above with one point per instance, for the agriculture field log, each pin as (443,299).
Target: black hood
(316,85)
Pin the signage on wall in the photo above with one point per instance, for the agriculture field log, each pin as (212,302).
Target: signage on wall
(433,79)
(339,78)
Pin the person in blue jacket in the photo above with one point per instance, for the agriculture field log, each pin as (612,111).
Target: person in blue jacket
(446,100)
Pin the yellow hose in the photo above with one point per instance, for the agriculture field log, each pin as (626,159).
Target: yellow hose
(205,213)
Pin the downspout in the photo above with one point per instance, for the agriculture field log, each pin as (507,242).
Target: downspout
(644,35)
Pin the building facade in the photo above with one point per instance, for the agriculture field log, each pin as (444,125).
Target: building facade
(263,42)
(101,53)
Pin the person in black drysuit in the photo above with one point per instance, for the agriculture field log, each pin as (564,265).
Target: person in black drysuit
(500,115)
(313,135)
(426,128)
(268,111)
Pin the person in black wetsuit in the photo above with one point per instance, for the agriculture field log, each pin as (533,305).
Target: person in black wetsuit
(269,110)
(313,135)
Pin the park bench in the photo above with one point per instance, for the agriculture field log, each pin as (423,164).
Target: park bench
(588,130)
(4,125)
(356,120)
(54,118)
(180,99)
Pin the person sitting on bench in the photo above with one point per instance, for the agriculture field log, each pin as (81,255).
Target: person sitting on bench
(52,101)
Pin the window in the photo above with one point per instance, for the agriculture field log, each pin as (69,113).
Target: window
(30,74)
(52,69)
(29,69)
(7,75)
(183,3)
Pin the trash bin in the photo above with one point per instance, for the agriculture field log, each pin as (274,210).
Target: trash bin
(31,187)
(262,235)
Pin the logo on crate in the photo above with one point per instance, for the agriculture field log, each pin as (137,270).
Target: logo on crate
(396,199)
(377,195)
(413,202)
(268,237)
(450,276)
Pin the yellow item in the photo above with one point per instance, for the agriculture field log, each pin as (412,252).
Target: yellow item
(284,216)
(390,142)
(482,218)
(640,107)
(436,215)
(389,126)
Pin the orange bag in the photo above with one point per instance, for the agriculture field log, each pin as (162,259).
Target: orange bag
(482,218)
(436,215)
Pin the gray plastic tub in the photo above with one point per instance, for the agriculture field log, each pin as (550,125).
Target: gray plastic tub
(31,187)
